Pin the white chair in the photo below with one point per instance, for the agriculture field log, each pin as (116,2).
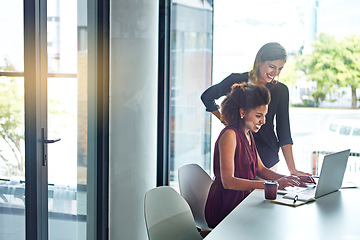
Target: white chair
(194,184)
(168,216)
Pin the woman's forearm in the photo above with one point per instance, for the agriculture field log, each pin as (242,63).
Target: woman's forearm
(216,114)
(268,174)
(240,184)
(289,158)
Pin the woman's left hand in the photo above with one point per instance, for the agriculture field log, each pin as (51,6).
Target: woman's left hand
(288,181)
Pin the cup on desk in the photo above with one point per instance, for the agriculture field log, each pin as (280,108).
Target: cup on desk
(270,189)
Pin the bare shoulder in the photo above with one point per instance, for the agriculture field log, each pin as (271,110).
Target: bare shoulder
(228,136)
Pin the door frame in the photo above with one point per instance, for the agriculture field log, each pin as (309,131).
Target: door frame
(35,83)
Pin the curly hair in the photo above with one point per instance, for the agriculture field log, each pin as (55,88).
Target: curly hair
(243,95)
(269,52)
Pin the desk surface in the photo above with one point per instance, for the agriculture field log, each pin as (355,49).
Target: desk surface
(334,216)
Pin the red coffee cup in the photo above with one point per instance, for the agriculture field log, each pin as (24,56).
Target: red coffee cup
(270,189)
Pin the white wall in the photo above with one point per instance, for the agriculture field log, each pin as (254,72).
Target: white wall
(133,113)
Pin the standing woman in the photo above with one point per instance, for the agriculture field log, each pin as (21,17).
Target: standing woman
(268,64)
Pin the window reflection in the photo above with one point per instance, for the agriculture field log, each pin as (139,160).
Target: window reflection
(12,148)
(191,57)
(12,157)
(323,106)
(67,118)
(12,38)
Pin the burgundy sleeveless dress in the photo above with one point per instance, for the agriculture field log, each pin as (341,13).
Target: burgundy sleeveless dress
(221,201)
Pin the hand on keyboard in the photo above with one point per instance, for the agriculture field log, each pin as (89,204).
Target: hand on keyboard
(306,180)
(288,181)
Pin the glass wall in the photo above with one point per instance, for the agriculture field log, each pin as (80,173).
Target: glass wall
(12,150)
(191,60)
(322,70)
(67,118)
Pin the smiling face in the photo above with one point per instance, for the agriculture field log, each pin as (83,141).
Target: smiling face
(254,119)
(268,70)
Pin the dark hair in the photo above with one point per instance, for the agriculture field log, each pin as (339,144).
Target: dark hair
(243,95)
(269,52)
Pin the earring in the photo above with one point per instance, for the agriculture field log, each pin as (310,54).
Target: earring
(242,117)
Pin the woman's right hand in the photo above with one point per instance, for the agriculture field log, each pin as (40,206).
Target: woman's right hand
(304,179)
(288,181)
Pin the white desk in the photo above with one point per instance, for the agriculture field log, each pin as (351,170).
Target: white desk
(334,216)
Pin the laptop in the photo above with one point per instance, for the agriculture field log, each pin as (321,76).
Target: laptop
(330,179)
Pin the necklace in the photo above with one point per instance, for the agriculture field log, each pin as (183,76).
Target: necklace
(248,138)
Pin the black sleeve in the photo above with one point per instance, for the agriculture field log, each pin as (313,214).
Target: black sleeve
(216,91)
(282,117)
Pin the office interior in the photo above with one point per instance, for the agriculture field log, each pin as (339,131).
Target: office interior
(107,93)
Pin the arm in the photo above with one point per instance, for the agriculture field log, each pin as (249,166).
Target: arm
(283,131)
(216,91)
(227,146)
(289,159)
(266,173)
(284,181)
(216,114)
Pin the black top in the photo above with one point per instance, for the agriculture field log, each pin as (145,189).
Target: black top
(267,141)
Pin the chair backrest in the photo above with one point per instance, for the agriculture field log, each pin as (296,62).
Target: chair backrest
(168,216)
(194,184)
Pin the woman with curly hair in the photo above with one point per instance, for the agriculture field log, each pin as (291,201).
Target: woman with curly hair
(268,64)
(236,160)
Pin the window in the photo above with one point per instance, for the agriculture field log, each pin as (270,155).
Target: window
(333,127)
(60,90)
(317,98)
(345,130)
(191,57)
(356,132)
(12,145)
